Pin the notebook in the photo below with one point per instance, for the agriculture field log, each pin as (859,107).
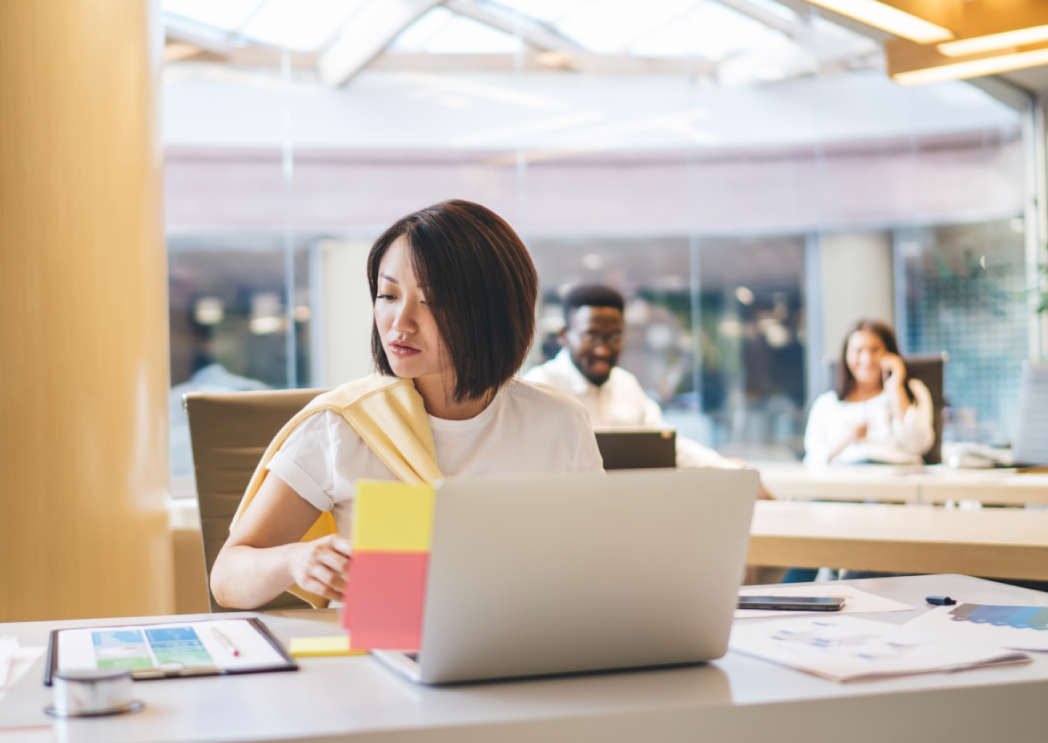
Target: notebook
(580,572)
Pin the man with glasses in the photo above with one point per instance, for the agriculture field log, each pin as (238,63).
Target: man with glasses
(586,367)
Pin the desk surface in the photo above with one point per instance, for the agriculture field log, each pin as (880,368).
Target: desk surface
(908,484)
(735,698)
(993,542)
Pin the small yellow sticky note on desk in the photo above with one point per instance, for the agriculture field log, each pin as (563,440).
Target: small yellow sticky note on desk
(315,647)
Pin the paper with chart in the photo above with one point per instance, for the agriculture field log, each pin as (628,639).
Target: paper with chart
(1019,627)
(855,601)
(846,648)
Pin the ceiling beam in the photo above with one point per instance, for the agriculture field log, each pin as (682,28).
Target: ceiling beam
(208,38)
(596,64)
(800,7)
(533,32)
(1004,91)
(180,51)
(366,35)
(795,28)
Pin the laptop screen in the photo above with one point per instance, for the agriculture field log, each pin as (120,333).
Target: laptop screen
(1031,436)
(627,450)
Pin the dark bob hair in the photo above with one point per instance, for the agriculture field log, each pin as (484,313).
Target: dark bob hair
(481,287)
(591,295)
(845,382)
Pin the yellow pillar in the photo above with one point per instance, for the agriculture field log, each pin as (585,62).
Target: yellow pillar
(83,314)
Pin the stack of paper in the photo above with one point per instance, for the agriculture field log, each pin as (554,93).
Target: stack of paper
(8,646)
(392,527)
(14,661)
(850,649)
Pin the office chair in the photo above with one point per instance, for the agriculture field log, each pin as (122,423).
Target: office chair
(229,432)
(929,368)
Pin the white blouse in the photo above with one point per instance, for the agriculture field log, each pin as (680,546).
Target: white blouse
(525,429)
(888,438)
(618,403)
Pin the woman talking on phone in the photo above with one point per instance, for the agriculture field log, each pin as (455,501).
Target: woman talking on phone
(876,413)
(453,291)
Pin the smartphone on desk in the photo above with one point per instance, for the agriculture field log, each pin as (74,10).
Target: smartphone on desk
(792,603)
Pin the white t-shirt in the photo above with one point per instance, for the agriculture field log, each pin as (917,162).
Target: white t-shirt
(525,429)
(888,439)
(618,403)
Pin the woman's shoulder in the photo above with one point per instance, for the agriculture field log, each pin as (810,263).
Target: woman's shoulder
(826,399)
(321,425)
(543,399)
(355,390)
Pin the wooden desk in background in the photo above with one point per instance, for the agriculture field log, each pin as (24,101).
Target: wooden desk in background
(1002,543)
(736,698)
(991,542)
(933,484)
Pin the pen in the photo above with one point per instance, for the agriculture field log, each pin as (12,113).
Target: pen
(225,642)
(940,600)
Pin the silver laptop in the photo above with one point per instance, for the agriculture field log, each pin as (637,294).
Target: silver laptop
(561,573)
(624,449)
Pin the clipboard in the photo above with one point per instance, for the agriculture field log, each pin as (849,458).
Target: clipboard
(201,647)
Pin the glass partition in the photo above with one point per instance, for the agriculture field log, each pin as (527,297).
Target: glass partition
(714,165)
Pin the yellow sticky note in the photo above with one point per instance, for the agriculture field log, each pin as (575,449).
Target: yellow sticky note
(393,516)
(312,647)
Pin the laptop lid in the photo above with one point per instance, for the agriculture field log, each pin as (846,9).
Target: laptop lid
(582,572)
(637,449)
(1031,435)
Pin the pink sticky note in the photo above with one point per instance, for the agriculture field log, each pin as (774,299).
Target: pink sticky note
(384,598)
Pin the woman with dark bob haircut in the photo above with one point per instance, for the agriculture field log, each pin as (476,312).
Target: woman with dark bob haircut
(453,291)
(877,413)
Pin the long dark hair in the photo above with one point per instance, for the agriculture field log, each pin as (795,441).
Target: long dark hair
(845,382)
(481,286)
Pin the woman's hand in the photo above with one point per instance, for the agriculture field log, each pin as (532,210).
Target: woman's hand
(893,370)
(319,566)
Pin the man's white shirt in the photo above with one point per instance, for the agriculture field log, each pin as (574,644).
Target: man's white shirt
(618,403)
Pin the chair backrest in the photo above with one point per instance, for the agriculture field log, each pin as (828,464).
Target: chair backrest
(929,368)
(229,432)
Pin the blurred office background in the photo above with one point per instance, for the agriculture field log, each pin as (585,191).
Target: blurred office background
(744,170)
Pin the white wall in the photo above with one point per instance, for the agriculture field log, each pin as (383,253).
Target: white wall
(857,282)
(959,178)
(341,306)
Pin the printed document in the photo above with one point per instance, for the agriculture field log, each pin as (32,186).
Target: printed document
(846,648)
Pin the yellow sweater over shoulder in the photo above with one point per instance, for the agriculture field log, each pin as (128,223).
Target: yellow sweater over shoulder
(390,417)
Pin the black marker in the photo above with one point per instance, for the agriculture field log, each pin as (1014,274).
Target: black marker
(940,600)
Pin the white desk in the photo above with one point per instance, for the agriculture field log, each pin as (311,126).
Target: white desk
(933,484)
(737,698)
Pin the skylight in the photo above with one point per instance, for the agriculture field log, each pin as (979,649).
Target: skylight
(736,40)
(302,25)
(227,15)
